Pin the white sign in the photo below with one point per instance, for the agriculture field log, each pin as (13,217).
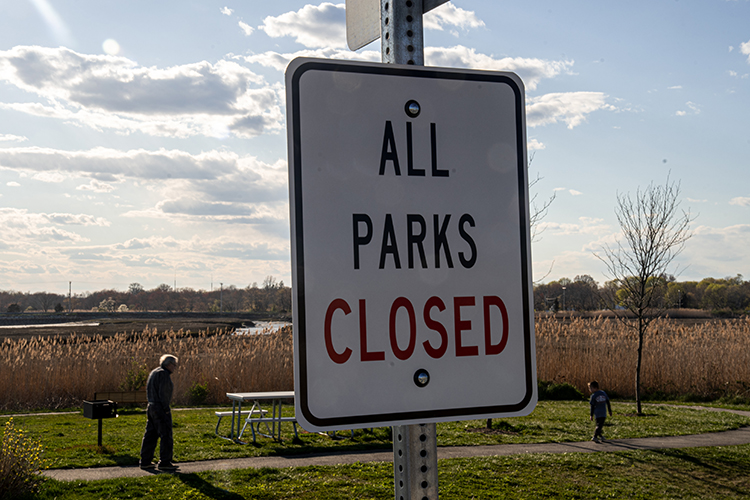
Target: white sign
(363,20)
(412,292)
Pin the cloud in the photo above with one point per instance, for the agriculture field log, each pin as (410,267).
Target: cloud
(75,219)
(12,138)
(534,145)
(246,28)
(531,71)
(20,228)
(96,186)
(226,11)
(693,109)
(313,26)
(218,186)
(279,61)
(703,258)
(570,107)
(745,49)
(111,165)
(450,15)
(742,201)
(52,176)
(109,92)
(586,225)
(12,184)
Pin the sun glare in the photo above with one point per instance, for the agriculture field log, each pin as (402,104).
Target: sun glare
(111,47)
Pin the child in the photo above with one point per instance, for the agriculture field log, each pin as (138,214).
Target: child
(599,405)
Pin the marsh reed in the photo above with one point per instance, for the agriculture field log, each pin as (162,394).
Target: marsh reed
(58,372)
(709,359)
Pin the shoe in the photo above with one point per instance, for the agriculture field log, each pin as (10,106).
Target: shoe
(595,439)
(148,466)
(167,466)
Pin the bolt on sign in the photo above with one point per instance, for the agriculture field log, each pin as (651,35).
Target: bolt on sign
(411,260)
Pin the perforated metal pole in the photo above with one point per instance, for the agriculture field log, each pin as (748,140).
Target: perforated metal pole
(415,462)
(415,471)
(401,33)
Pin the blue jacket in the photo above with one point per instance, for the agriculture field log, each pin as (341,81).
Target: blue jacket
(599,403)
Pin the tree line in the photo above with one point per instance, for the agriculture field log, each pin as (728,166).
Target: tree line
(270,296)
(730,295)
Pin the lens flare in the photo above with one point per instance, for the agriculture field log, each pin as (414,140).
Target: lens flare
(111,47)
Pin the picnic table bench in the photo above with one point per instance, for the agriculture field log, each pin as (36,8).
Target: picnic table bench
(256,415)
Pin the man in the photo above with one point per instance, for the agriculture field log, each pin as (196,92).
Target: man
(159,417)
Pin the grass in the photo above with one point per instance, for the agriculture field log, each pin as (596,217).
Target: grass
(706,473)
(70,440)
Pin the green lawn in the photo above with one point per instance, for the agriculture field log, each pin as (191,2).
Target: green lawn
(697,473)
(70,440)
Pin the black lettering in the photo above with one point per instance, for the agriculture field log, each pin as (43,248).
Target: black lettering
(410,155)
(388,152)
(441,240)
(389,245)
(416,239)
(433,144)
(358,239)
(467,263)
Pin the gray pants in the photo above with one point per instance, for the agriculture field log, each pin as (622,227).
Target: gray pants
(158,426)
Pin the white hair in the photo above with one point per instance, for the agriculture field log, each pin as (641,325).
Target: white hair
(168,359)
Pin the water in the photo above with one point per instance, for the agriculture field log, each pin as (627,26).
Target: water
(262,327)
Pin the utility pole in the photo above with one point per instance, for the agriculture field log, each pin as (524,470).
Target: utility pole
(70,298)
(221,298)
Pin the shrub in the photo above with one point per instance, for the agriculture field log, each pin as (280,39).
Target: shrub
(14,308)
(20,463)
(558,392)
(198,393)
(59,308)
(136,377)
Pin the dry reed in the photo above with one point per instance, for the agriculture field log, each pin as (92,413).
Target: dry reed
(56,372)
(709,359)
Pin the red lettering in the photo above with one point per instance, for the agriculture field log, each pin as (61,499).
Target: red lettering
(398,352)
(335,356)
(366,355)
(488,346)
(462,325)
(436,326)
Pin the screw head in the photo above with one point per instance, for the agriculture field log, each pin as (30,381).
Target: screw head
(412,108)
(421,377)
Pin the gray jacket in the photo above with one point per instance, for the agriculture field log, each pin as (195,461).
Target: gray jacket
(159,388)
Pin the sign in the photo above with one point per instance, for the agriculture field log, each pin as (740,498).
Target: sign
(363,20)
(412,294)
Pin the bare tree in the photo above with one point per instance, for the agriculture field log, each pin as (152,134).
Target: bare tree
(654,232)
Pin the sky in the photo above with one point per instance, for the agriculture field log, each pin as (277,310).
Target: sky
(146,141)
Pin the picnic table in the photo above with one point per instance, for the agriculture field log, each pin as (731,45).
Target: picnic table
(258,415)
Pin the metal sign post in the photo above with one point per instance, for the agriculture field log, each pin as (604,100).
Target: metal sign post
(415,473)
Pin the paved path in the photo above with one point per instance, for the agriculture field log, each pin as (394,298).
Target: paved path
(726,438)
